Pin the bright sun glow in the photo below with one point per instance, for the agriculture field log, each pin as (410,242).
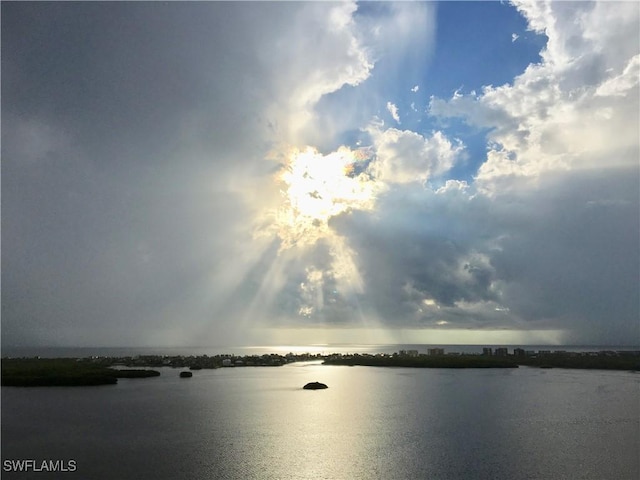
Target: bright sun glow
(316,187)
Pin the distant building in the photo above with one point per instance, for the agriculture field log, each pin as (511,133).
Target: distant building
(501,352)
(226,362)
(487,351)
(435,351)
(519,352)
(408,353)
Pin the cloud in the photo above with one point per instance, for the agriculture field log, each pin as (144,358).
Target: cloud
(137,169)
(532,244)
(571,257)
(555,115)
(545,236)
(393,110)
(415,88)
(181,181)
(623,84)
(393,29)
(398,38)
(514,37)
(404,156)
(317,53)
(561,174)
(167,136)
(561,257)
(431,273)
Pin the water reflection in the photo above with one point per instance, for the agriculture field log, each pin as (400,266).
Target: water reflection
(370,423)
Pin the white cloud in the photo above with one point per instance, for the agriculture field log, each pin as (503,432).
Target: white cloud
(576,109)
(415,88)
(317,53)
(514,37)
(396,37)
(393,110)
(622,85)
(404,156)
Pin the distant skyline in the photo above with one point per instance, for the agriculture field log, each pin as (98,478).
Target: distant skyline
(255,173)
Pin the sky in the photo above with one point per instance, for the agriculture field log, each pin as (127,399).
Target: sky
(281,173)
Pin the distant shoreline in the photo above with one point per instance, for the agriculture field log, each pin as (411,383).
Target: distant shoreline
(36,371)
(606,360)
(240,350)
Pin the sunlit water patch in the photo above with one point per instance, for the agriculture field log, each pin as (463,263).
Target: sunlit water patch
(370,423)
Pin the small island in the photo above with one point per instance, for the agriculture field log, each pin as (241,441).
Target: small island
(315,386)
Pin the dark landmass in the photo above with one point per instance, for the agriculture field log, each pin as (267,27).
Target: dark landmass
(98,370)
(200,362)
(423,361)
(621,360)
(315,386)
(186,374)
(67,372)
(618,361)
(41,372)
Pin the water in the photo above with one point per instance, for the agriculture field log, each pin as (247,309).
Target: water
(386,423)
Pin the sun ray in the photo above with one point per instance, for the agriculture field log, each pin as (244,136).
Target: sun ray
(315,187)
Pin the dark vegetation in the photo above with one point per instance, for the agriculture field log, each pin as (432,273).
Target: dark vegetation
(424,361)
(36,372)
(587,360)
(601,361)
(199,362)
(45,372)
(28,372)
(315,386)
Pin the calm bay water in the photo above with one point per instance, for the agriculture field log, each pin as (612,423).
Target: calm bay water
(243,423)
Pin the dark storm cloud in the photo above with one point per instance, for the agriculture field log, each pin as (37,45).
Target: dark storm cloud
(128,79)
(575,262)
(564,256)
(410,251)
(117,144)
